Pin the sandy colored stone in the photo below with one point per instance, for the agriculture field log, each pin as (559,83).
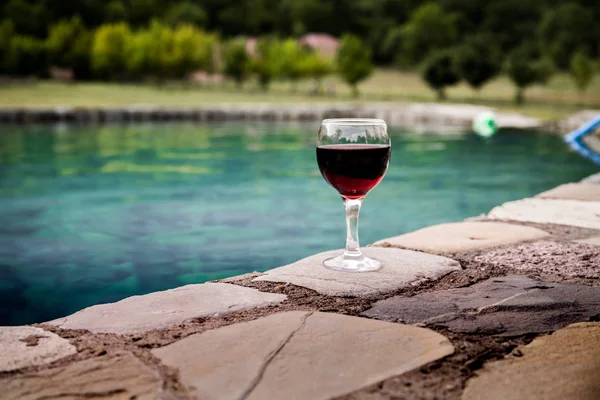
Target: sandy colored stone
(300,355)
(506,306)
(117,377)
(592,179)
(26,346)
(594,241)
(400,268)
(463,236)
(584,214)
(573,191)
(564,365)
(160,309)
(574,260)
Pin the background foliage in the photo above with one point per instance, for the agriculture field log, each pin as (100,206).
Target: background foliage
(161,39)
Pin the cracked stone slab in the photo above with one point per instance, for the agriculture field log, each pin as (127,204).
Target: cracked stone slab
(564,365)
(117,376)
(463,236)
(576,260)
(573,191)
(401,268)
(594,241)
(584,214)
(299,355)
(507,306)
(158,310)
(26,346)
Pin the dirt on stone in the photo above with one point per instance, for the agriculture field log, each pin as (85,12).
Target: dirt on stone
(32,340)
(445,378)
(569,260)
(558,232)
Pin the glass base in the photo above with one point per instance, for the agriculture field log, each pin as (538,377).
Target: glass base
(352,264)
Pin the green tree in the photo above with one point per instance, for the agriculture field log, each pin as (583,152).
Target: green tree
(7,59)
(109,50)
(68,46)
(192,50)
(28,17)
(308,15)
(524,69)
(236,63)
(379,23)
(28,56)
(353,61)
(315,67)
(140,12)
(115,11)
(429,29)
(439,72)
(566,29)
(582,70)
(478,60)
(143,57)
(509,21)
(292,56)
(166,62)
(267,64)
(186,13)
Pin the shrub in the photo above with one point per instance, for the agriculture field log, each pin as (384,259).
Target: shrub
(269,61)
(7,61)
(236,63)
(28,56)
(353,61)
(192,50)
(315,67)
(582,70)
(292,56)
(109,50)
(68,45)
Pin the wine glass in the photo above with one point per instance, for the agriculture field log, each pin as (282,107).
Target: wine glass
(353,155)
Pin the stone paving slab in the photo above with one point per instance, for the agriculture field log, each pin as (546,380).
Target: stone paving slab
(564,259)
(584,214)
(573,191)
(594,241)
(160,309)
(507,306)
(592,179)
(401,268)
(564,365)
(26,346)
(300,355)
(120,376)
(463,236)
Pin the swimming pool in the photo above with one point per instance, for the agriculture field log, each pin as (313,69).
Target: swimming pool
(93,214)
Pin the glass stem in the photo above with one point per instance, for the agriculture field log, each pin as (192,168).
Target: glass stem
(352,210)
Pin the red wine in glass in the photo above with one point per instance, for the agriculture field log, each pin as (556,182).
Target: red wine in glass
(353,169)
(353,155)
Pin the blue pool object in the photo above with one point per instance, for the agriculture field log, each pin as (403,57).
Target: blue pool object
(575,139)
(93,214)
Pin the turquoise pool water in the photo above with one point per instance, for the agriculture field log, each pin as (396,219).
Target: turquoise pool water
(95,214)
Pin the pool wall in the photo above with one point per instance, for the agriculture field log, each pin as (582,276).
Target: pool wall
(410,114)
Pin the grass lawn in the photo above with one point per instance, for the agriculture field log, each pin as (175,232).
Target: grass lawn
(553,101)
